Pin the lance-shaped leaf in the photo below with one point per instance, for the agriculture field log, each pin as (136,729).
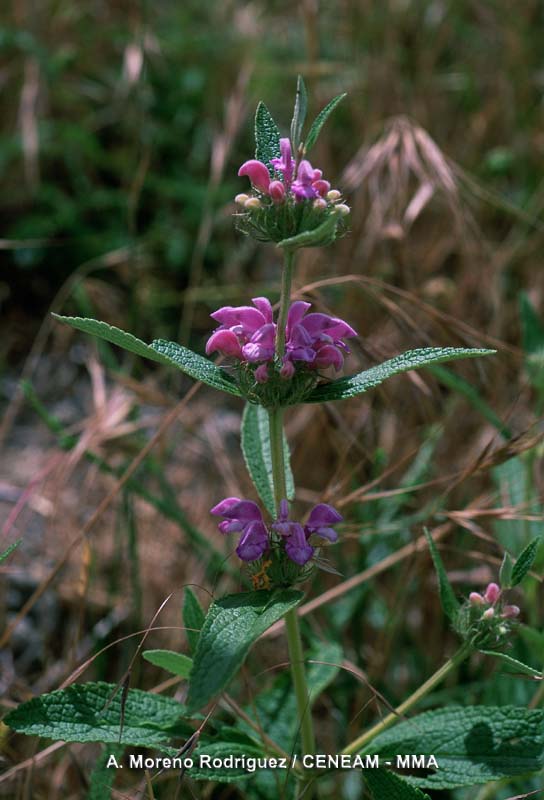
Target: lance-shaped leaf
(524,562)
(232,625)
(9,550)
(320,236)
(267,137)
(448,599)
(320,120)
(193,617)
(385,784)
(299,114)
(255,435)
(176,663)
(369,378)
(471,745)
(169,353)
(515,665)
(84,713)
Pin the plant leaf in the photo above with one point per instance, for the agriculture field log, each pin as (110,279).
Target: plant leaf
(83,713)
(275,708)
(232,625)
(169,353)
(102,776)
(255,436)
(524,562)
(9,550)
(173,662)
(385,784)
(267,137)
(231,743)
(321,236)
(299,114)
(472,745)
(448,599)
(320,120)
(193,617)
(369,378)
(505,572)
(517,666)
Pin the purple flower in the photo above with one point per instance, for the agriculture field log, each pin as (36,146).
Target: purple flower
(238,326)
(258,174)
(248,333)
(285,164)
(296,546)
(320,522)
(315,338)
(243,516)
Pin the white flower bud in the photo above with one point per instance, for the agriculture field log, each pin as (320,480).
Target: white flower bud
(489,614)
(320,204)
(252,203)
(334,196)
(343,209)
(241,199)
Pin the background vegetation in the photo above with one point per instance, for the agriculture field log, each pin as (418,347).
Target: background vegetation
(122,129)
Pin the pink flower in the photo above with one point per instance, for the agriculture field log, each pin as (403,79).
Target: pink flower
(258,174)
(285,164)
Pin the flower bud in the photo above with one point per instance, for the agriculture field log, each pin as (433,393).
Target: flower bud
(319,204)
(509,612)
(252,203)
(261,373)
(334,196)
(489,614)
(492,593)
(476,599)
(241,198)
(276,190)
(343,209)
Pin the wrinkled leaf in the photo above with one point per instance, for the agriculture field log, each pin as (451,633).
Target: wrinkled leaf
(524,562)
(320,120)
(255,436)
(369,378)
(472,745)
(385,785)
(169,353)
(267,137)
(84,713)
(232,625)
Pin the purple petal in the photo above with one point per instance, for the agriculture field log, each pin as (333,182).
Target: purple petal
(295,314)
(226,342)
(261,345)
(249,318)
(257,173)
(261,373)
(233,508)
(254,542)
(323,514)
(325,533)
(321,187)
(264,306)
(297,548)
(284,510)
(328,356)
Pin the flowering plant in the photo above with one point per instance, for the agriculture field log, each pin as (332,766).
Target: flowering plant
(275,363)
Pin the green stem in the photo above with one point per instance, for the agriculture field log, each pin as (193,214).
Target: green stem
(358,744)
(285,299)
(294,642)
(275,422)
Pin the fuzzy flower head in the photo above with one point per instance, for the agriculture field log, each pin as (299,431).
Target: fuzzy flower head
(289,197)
(247,336)
(485,618)
(288,548)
